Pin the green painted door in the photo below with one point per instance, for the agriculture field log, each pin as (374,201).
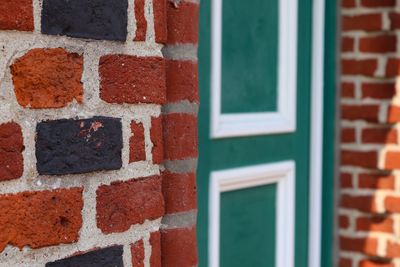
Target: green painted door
(255,132)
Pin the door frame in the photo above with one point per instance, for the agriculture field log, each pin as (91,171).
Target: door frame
(322,134)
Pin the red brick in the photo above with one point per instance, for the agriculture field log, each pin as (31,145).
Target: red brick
(16,15)
(378,44)
(394,20)
(40,219)
(369,263)
(137,252)
(183,22)
(365,22)
(392,204)
(364,245)
(392,160)
(180,136)
(179,192)
(360,112)
(160,20)
(11,147)
(346,180)
(155,242)
(393,114)
(348,90)
(178,242)
(141,22)
(345,262)
(136,143)
(348,3)
(344,222)
(123,204)
(379,136)
(378,90)
(361,203)
(366,67)
(132,79)
(348,135)
(182,81)
(48,78)
(392,68)
(392,250)
(378,3)
(366,159)
(375,181)
(374,224)
(156,136)
(347,44)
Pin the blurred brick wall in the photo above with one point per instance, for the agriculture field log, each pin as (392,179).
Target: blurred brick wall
(369,212)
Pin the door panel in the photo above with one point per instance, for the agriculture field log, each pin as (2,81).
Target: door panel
(274,130)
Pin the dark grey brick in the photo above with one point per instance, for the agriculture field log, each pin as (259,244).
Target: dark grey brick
(106,257)
(78,146)
(93,19)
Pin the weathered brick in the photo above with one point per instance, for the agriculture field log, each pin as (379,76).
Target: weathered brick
(48,78)
(345,262)
(366,159)
(178,242)
(394,20)
(179,192)
(347,44)
(95,19)
(348,135)
(132,79)
(348,90)
(155,242)
(160,20)
(180,136)
(375,181)
(392,68)
(137,143)
(344,222)
(111,256)
(366,22)
(363,245)
(11,147)
(137,252)
(346,180)
(378,90)
(156,136)
(123,204)
(378,3)
(78,146)
(379,136)
(366,67)
(375,224)
(182,81)
(141,22)
(348,3)
(183,22)
(361,203)
(16,15)
(40,219)
(360,112)
(378,44)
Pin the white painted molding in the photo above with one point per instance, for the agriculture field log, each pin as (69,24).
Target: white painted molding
(316,155)
(244,124)
(282,174)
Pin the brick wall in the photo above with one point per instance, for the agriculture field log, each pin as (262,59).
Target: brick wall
(98,133)
(369,211)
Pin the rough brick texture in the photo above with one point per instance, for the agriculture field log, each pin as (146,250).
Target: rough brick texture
(132,79)
(123,204)
(40,219)
(78,146)
(111,256)
(370,113)
(98,132)
(11,147)
(16,15)
(95,19)
(48,78)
